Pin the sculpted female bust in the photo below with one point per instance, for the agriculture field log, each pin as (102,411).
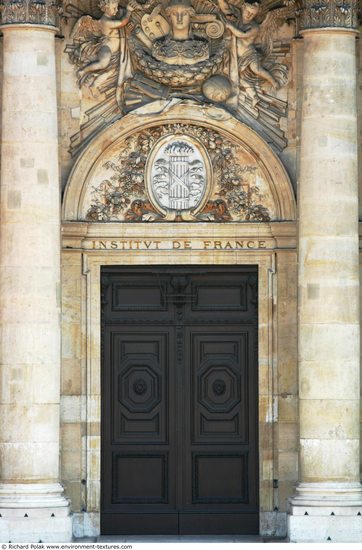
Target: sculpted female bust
(180,47)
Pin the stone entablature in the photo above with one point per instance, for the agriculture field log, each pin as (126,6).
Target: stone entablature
(34,12)
(328,13)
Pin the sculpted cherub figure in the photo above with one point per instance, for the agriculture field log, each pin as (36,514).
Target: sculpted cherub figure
(100,45)
(253,44)
(109,26)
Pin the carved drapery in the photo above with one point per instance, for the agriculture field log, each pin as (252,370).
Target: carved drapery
(35,12)
(317,14)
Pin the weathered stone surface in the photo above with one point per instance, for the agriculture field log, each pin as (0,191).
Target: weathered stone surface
(30,286)
(29,11)
(328,13)
(328,280)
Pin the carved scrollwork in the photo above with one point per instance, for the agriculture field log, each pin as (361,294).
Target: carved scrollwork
(35,12)
(319,14)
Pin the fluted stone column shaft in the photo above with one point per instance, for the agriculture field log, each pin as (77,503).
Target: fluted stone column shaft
(30,290)
(328,345)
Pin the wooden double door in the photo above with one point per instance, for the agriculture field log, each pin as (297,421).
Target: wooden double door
(179,401)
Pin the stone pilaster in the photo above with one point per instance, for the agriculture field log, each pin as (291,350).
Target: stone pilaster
(328,497)
(32,505)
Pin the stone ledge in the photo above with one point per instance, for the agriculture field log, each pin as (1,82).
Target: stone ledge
(273,524)
(86,524)
(324,528)
(26,496)
(35,529)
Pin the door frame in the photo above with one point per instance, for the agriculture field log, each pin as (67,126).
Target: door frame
(92,258)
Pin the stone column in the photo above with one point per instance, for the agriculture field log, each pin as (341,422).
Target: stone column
(32,506)
(328,500)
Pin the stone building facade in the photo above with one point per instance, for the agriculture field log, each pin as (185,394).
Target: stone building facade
(167,170)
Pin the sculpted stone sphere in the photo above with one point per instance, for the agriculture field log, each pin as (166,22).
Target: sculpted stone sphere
(217,88)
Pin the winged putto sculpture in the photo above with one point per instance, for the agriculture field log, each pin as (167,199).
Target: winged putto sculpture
(208,51)
(100,48)
(252,46)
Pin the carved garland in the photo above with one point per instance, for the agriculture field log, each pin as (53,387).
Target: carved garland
(123,195)
(316,14)
(35,12)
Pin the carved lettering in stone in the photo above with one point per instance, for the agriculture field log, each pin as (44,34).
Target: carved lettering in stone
(244,244)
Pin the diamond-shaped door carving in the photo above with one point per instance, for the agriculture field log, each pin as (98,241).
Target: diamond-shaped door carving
(139,384)
(219,385)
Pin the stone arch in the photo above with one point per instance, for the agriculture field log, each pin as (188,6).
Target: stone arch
(84,173)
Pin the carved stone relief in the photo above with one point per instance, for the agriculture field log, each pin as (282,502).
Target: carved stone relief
(178,172)
(36,12)
(148,55)
(328,13)
(177,175)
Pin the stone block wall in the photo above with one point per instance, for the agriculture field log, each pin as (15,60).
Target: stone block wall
(80,453)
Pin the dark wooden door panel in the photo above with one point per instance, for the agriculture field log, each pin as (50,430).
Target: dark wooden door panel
(179,401)
(132,297)
(140,478)
(221,439)
(220,477)
(141,386)
(219,406)
(138,428)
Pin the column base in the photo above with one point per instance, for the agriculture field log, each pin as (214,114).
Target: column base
(34,513)
(323,512)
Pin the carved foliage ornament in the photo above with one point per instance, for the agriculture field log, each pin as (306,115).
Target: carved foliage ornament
(316,14)
(179,172)
(36,12)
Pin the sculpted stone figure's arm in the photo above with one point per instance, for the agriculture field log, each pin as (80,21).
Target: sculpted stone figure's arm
(122,22)
(119,23)
(226,8)
(122,19)
(252,32)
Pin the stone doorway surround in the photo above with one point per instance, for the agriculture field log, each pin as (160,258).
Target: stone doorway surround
(274,250)
(89,245)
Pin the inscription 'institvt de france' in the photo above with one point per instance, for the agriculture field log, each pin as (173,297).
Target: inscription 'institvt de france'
(182,244)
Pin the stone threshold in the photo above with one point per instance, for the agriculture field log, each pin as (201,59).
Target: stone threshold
(183,539)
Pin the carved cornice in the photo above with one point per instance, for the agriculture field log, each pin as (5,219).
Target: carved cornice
(319,14)
(34,12)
